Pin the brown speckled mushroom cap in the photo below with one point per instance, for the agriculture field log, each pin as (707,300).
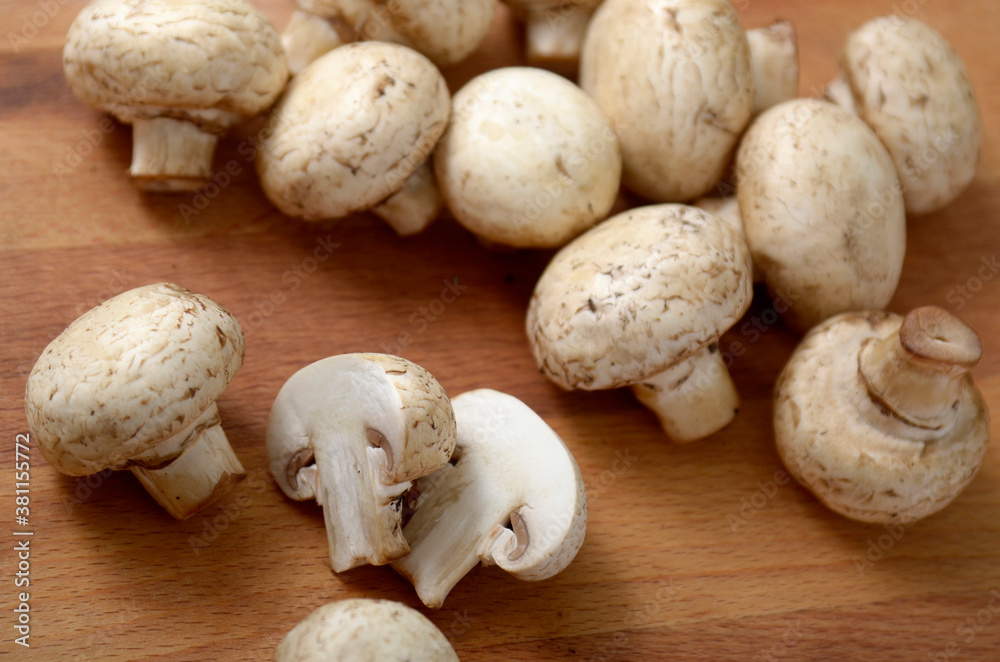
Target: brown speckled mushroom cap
(351,129)
(365,630)
(912,88)
(446,31)
(129,374)
(860,453)
(637,294)
(207,61)
(674,78)
(822,210)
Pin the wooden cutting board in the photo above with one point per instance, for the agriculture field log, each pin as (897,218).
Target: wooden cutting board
(702,552)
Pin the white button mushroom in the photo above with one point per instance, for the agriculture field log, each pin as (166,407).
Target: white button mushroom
(641,300)
(554,31)
(352,431)
(822,210)
(528,159)
(878,416)
(361,630)
(446,31)
(906,81)
(180,71)
(511,496)
(351,130)
(675,80)
(132,384)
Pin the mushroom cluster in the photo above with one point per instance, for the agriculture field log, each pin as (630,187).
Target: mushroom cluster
(434,486)
(875,413)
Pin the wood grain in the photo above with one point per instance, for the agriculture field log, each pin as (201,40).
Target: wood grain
(700,552)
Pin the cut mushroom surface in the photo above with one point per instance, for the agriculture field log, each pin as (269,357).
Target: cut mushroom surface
(641,300)
(132,384)
(362,630)
(907,82)
(180,71)
(351,130)
(513,496)
(352,431)
(878,416)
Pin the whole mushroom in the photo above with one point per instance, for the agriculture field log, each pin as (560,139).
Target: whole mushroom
(528,159)
(181,72)
(132,384)
(362,630)
(641,301)
(674,78)
(907,82)
(446,31)
(877,414)
(512,495)
(822,211)
(351,132)
(352,431)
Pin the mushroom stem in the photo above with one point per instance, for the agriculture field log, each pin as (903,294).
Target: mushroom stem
(415,206)
(774,56)
(170,156)
(839,93)
(361,525)
(692,399)
(918,373)
(554,36)
(191,469)
(307,37)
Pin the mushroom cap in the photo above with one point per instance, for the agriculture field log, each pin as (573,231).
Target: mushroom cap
(674,79)
(129,374)
(207,61)
(446,31)
(528,158)
(913,89)
(637,294)
(856,457)
(364,630)
(822,210)
(351,129)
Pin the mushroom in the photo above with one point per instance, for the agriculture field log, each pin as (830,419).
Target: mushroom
(906,81)
(363,630)
(349,133)
(181,72)
(878,416)
(554,31)
(674,79)
(132,384)
(512,496)
(822,210)
(446,31)
(774,55)
(352,431)
(641,300)
(528,159)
